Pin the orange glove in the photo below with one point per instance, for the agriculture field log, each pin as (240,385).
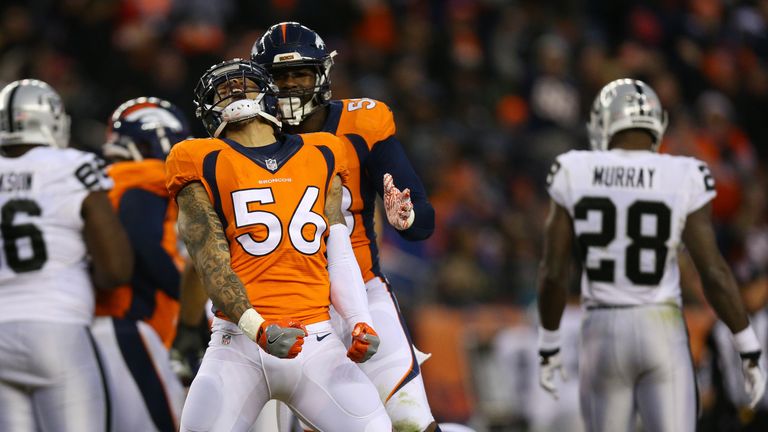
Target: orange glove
(282,338)
(365,343)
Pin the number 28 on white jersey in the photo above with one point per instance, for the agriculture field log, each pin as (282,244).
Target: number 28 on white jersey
(629,210)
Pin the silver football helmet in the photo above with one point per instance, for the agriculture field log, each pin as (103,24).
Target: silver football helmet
(31,112)
(625,104)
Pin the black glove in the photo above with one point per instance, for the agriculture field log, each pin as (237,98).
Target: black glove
(187,351)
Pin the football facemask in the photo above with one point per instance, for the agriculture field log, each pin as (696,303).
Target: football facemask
(234,91)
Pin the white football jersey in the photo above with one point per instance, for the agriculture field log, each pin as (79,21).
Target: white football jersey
(43,261)
(629,209)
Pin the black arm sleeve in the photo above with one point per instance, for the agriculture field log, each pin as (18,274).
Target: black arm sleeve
(388,156)
(142,214)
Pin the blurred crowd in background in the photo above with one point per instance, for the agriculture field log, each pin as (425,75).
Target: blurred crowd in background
(485,93)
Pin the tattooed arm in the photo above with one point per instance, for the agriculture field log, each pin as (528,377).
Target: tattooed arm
(201,230)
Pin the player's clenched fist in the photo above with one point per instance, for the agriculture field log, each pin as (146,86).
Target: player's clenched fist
(282,338)
(365,343)
(397,205)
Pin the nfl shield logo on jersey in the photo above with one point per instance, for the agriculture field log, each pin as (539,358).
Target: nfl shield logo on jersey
(271,164)
(226,339)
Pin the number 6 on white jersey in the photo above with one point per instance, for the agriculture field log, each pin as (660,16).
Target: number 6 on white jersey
(302,216)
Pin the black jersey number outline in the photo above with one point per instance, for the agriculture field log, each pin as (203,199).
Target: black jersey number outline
(604,272)
(92,173)
(709,181)
(12,234)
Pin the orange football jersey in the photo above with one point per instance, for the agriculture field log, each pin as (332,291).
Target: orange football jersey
(161,309)
(270,202)
(363,123)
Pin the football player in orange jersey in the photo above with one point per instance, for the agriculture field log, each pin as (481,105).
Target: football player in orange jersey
(135,323)
(255,212)
(300,64)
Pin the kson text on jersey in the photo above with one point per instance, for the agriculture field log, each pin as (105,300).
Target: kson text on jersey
(15,181)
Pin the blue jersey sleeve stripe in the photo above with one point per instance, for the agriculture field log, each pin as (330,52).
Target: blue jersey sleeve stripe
(368,195)
(330,163)
(143,214)
(334,116)
(209,174)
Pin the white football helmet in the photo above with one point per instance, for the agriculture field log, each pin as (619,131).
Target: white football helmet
(31,112)
(625,104)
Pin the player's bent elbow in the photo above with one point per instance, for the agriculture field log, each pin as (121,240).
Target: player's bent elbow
(107,243)
(121,272)
(113,273)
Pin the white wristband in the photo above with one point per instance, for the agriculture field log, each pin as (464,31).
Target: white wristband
(746,340)
(549,339)
(249,323)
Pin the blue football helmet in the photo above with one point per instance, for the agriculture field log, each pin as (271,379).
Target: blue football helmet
(145,127)
(292,45)
(233,91)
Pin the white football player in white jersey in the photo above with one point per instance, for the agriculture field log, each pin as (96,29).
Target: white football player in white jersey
(54,214)
(627,208)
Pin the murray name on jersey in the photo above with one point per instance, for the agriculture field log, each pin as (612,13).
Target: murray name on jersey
(629,209)
(623,176)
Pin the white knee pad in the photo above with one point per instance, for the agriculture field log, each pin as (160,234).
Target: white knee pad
(409,409)
(202,405)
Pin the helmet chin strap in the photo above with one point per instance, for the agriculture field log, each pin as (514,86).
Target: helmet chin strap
(293,111)
(243,109)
